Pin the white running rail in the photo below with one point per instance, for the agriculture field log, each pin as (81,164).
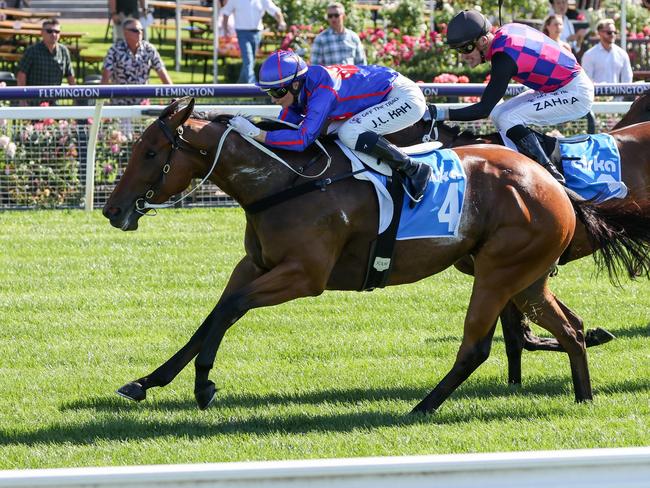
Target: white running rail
(588,468)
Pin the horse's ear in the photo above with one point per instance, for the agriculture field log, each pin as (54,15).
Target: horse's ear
(178,118)
(170,109)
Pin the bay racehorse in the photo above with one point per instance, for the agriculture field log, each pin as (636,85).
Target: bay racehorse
(638,112)
(516,224)
(632,135)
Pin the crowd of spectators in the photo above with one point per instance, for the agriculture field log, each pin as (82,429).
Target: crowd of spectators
(131,58)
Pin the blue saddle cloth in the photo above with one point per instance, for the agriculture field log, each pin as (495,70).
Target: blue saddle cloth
(440,211)
(593,168)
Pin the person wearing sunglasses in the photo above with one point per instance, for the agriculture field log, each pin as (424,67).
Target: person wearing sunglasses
(558,88)
(129,61)
(359,102)
(47,62)
(606,62)
(337,45)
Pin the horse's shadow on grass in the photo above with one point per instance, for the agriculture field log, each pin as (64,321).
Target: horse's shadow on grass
(633,331)
(118,420)
(628,332)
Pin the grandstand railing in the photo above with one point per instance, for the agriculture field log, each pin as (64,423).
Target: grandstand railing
(72,156)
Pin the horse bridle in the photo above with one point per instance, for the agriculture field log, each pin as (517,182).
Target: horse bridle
(141,204)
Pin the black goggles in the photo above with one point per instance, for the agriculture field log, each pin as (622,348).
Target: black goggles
(466,48)
(283,90)
(278,92)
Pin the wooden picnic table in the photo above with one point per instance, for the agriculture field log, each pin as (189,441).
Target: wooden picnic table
(37,33)
(172,6)
(27,14)
(34,34)
(19,24)
(367,6)
(197,18)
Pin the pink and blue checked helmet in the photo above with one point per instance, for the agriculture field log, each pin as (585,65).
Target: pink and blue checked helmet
(279,70)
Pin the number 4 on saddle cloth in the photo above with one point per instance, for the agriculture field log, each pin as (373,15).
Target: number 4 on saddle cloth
(439,212)
(591,165)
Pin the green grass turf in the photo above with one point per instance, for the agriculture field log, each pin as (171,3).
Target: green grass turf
(85,308)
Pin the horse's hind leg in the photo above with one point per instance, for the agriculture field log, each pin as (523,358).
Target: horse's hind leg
(244,273)
(480,321)
(518,336)
(542,307)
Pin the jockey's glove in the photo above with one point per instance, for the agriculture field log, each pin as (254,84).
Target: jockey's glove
(440,113)
(244,126)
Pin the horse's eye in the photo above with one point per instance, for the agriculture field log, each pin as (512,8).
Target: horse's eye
(150,154)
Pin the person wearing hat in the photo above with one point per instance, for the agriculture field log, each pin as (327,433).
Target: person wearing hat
(361,102)
(559,89)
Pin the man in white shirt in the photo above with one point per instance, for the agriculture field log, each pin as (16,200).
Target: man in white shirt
(248,26)
(606,62)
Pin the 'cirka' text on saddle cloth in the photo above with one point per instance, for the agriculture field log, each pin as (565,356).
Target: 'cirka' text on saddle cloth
(593,168)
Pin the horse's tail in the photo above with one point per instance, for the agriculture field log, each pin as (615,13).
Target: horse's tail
(620,231)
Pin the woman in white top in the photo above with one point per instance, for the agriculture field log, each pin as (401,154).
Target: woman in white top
(569,34)
(553,25)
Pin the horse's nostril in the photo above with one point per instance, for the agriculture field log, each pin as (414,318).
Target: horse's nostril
(111,212)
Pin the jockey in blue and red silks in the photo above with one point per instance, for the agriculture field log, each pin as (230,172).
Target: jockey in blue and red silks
(361,102)
(559,89)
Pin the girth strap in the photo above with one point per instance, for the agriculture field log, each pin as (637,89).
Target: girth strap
(296,191)
(380,259)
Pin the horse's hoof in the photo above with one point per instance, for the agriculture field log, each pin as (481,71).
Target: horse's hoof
(206,395)
(598,336)
(133,391)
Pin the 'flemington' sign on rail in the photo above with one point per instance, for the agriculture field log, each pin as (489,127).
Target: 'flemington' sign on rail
(245,91)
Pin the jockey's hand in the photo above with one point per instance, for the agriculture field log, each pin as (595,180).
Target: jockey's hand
(244,126)
(438,113)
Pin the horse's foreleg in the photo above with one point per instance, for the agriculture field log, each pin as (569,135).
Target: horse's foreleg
(285,282)
(512,323)
(244,273)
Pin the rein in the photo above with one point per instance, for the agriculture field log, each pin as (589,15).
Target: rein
(141,204)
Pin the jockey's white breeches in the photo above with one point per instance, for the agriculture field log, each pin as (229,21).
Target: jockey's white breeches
(403,107)
(570,102)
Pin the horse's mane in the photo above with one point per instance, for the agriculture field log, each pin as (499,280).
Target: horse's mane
(221,118)
(456,131)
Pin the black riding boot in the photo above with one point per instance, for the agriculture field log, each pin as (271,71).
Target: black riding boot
(529,145)
(417,174)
